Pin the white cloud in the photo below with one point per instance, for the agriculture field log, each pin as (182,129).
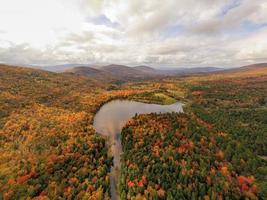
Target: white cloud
(171,32)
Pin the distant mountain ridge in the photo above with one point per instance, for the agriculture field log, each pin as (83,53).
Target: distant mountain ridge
(258,65)
(245,68)
(90,72)
(63,68)
(147,69)
(123,72)
(188,71)
(114,72)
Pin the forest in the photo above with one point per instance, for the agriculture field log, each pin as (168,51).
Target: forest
(176,156)
(48,147)
(216,149)
(238,107)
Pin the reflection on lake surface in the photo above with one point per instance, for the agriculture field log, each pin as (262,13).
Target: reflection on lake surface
(111,118)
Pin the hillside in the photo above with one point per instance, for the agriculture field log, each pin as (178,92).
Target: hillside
(246,69)
(176,156)
(42,127)
(236,104)
(215,150)
(116,73)
(61,68)
(91,72)
(146,69)
(254,66)
(197,70)
(125,73)
(122,71)
(48,147)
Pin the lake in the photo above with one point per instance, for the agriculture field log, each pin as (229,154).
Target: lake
(111,118)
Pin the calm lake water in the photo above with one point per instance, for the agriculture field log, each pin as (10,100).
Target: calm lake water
(111,118)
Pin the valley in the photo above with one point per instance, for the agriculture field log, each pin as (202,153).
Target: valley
(111,118)
(133,100)
(49,147)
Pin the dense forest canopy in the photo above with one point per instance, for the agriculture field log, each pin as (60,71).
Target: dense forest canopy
(215,150)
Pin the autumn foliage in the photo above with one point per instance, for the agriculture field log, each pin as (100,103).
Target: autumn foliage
(49,149)
(173,156)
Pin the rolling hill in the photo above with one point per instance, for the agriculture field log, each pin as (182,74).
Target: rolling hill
(91,73)
(49,149)
(146,69)
(126,73)
(121,71)
(255,69)
(116,72)
(62,68)
(253,66)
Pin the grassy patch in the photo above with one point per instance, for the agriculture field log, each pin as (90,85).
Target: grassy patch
(177,93)
(164,98)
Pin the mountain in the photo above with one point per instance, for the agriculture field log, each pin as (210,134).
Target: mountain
(114,72)
(146,69)
(122,71)
(126,73)
(91,73)
(62,68)
(199,70)
(254,68)
(187,71)
(248,67)
(109,73)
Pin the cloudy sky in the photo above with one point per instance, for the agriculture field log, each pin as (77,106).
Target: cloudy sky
(169,33)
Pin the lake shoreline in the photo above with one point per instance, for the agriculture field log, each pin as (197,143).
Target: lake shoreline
(109,121)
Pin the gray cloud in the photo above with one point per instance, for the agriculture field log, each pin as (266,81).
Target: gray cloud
(231,20)
(210,34)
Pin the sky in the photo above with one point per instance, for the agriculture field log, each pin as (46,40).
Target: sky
(169,33)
